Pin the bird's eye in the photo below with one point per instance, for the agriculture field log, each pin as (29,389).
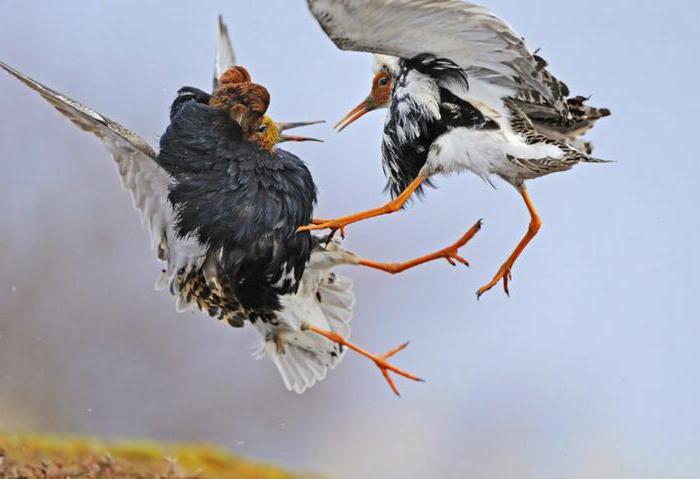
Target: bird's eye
(262,128)
(384,81)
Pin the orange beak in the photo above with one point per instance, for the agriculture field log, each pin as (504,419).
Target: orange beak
(356,113)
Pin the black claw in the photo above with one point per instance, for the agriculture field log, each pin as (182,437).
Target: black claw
(326,239)
(331,235)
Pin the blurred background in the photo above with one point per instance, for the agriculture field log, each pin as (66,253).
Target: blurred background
(589,370)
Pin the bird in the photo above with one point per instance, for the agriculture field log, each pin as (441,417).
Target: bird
(464,93)
(222,204)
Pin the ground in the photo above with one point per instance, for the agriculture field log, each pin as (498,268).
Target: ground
(60,458)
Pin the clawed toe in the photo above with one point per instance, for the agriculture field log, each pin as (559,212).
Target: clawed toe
(453,258)
(504,274)
(385,367)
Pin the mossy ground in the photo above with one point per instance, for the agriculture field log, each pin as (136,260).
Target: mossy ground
(62,458)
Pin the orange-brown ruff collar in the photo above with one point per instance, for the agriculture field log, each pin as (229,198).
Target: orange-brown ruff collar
(245,101)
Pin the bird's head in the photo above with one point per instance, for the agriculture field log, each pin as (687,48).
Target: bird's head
(385,71)
(270,133)
(379,97)
(234,75)
(246,104)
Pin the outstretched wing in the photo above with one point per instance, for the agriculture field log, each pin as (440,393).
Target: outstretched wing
(140,175)
(468,34)
(225,58)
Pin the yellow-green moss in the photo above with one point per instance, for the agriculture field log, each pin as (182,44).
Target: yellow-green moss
(54,457)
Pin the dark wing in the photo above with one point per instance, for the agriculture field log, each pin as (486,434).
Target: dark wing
(187,94)
(139,173)
(466,33)
(240,200)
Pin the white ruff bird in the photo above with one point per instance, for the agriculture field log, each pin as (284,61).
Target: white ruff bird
(305,334)
(464,93)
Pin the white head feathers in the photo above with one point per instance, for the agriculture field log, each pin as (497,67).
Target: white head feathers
(385,62)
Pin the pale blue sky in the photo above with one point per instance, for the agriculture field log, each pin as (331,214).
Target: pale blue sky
(590,369)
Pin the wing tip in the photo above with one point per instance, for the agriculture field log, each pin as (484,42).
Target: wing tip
(225,57)
(13,71)
(223,29)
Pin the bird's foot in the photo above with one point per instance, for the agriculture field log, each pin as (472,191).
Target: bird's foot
(453,258)
(381,361)
(318,224)
(451,253)
(385,367)
(504,273)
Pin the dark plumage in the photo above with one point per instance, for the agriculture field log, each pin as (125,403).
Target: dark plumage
(240,199)
(185,95)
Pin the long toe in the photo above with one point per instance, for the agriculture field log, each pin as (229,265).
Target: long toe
(386,367)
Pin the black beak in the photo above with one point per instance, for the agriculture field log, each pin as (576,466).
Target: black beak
(296,124)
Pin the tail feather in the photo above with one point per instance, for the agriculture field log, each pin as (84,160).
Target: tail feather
(596,160)
(305,358)
(300,369)
(337,302)
(569,129)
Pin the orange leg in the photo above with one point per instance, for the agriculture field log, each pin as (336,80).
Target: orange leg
(391,207)
(450,254)
(381,361)
(504,273)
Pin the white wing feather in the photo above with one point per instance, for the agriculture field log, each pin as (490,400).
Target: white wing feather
(468,34)
(225,58)
(139,174)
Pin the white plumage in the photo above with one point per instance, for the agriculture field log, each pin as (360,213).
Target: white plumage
(464,93)
(324,300)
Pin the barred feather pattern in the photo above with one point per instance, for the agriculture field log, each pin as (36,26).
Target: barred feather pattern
(214,298)
(535,167)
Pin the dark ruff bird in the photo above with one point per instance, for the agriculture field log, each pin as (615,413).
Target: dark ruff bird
(239,198)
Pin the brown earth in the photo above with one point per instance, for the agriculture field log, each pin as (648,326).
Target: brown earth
(59,458)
